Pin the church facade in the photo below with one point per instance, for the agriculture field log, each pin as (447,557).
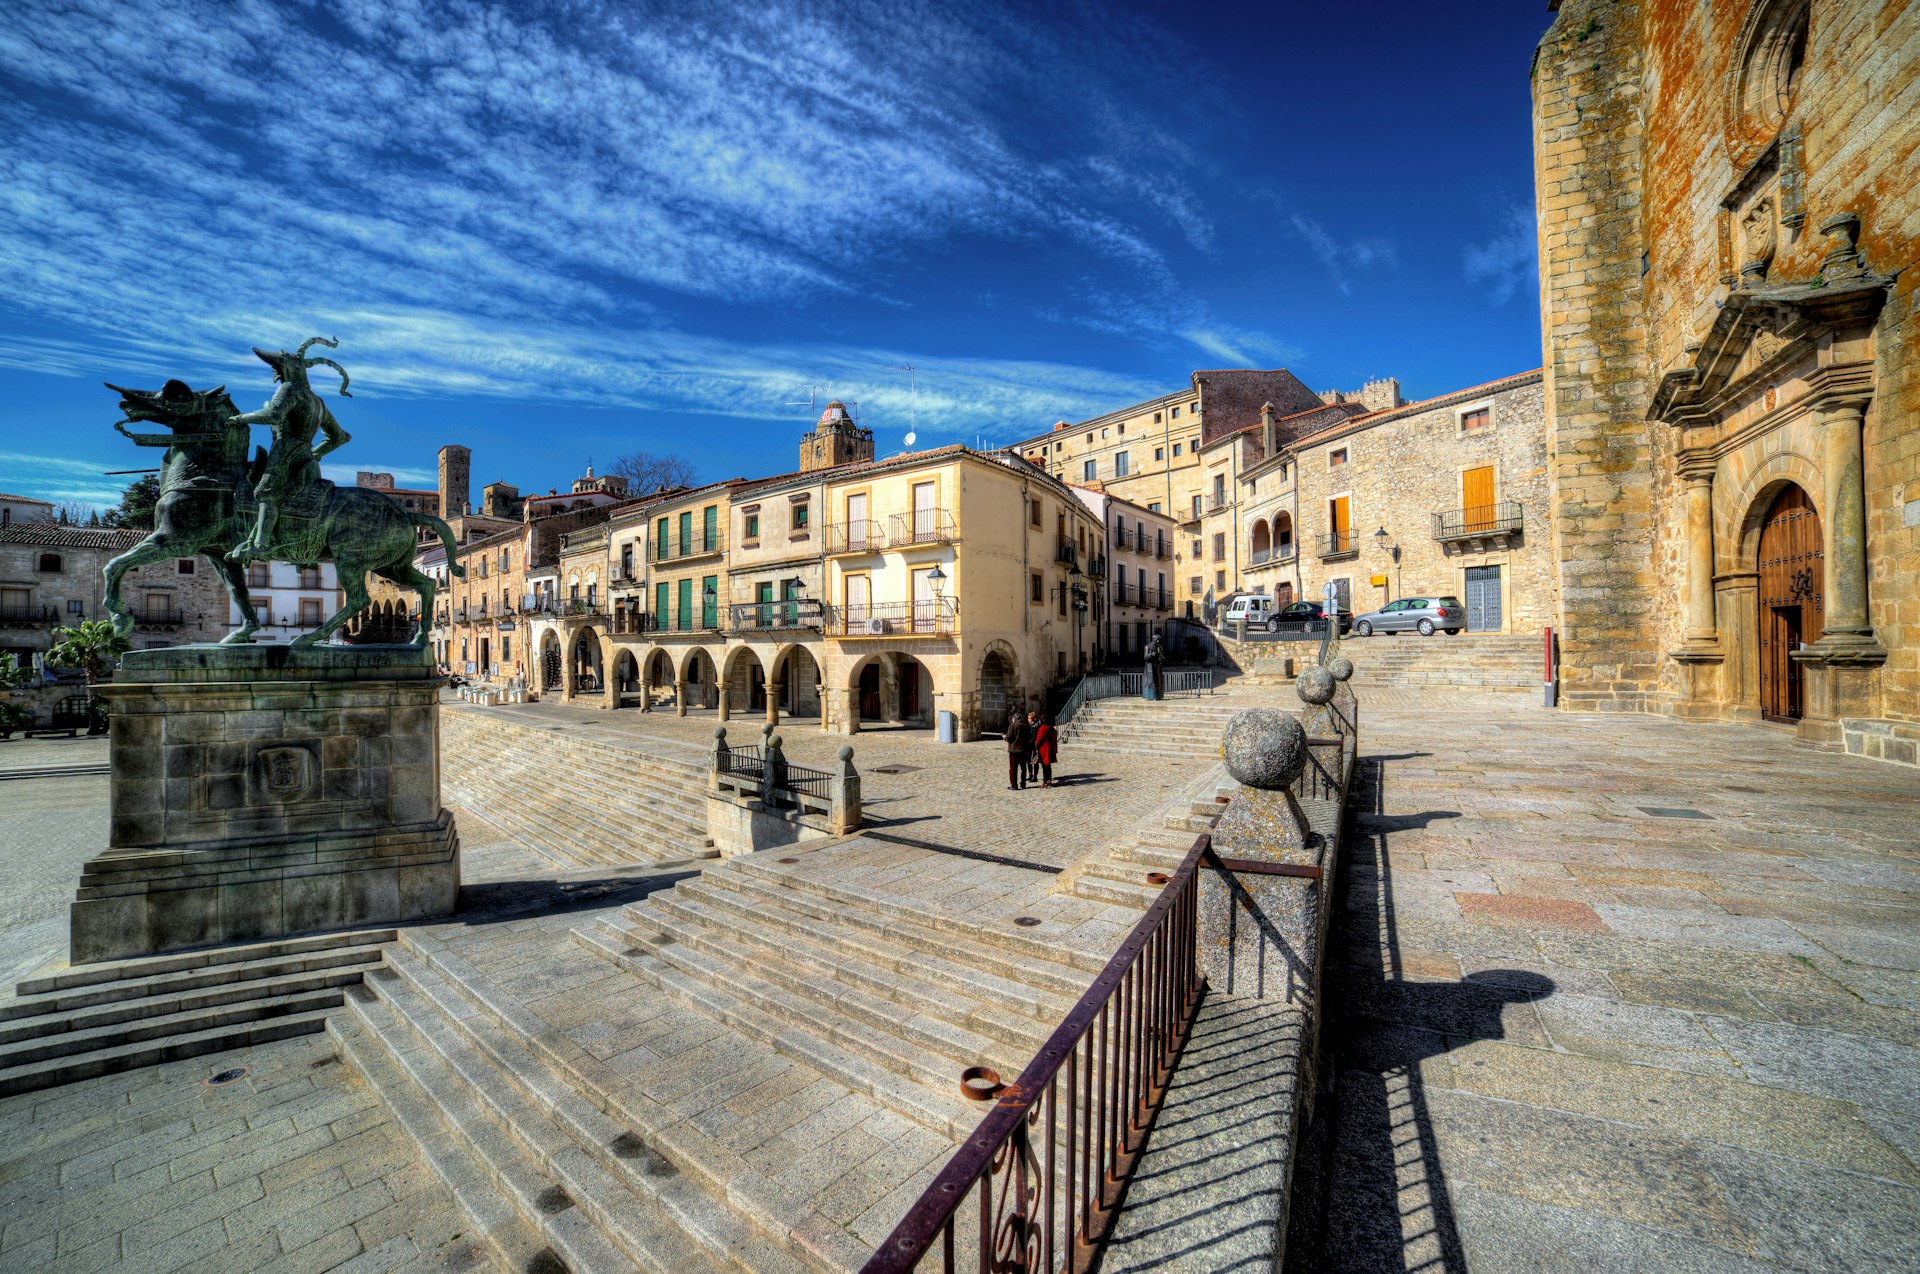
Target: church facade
(1727,225)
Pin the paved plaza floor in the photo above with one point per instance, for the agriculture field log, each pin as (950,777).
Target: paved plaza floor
(1620,993)
(1608,993)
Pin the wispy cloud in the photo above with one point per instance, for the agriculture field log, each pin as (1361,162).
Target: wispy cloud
(1506,264)
(417,479)
(487,201)
(59,479)
(1343,259)
(1238,348)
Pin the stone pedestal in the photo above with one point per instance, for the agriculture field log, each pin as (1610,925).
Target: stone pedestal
(265,791)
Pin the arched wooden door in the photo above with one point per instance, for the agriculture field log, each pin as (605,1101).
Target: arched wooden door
(1792,604)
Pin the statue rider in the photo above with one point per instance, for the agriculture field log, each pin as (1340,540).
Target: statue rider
(295,414)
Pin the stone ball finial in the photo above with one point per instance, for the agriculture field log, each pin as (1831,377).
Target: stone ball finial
(1264,748)
(846,752)
(719,732)
(1341,668)
(1314,686)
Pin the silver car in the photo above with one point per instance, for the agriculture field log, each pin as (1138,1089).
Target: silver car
(1413,614)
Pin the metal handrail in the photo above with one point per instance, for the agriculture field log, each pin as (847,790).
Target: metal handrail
(1335,543)
(1497,518)
(1049,1163)
(922,526)
(860,536)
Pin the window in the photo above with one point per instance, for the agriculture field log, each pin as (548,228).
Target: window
(50,564)
(1176,450)
(1120,464)
(1476,420)
(1197,584)
(1121,429)
(800,515)
(1196,508)
(506,564)
(76,608)
(309,613)
(309,577)
(753,526)
(506,648)
(1198,548)
(1220,581)
(1089,470)
(1033,511)
(1063,601)
(1037,587)
(1193,444)
(1193,409)
(186,566)
(1219,546)
(257,575)
(1089,438)
(1154,505)
(1103,435)
(1219,489)
(1336,457)
(483,569)
(1176,414)
(1156,417)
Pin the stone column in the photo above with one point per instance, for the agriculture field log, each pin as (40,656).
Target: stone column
(773,702)
(890,690)
(679,696)
(726,702)
(1848,637)
(1700,622)
(845,787)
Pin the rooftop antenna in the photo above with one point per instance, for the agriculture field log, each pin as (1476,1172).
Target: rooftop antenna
(913,400)
(813,398)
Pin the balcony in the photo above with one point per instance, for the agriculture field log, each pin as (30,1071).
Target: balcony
(855,537)
(1275,556)
(795,614)
(696,544)
(624,573)
(26,613)
(1067,553)
(1477,526)
(581,608)
(537,604)
(694,619)
(1123,538)
(892,619)
(158,617)
(1162,547)
(922,526)
(1215,503)
(626,621)
(1338,544)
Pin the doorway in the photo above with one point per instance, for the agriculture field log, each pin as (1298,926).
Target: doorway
(1483,599)
(870,709)
(1791,599)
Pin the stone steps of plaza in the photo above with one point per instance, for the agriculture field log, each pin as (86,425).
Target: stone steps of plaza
(1119,873)
(503,1137)
(1171,727)
(1482,662)
(579,802)
(118,1015)
(885,998)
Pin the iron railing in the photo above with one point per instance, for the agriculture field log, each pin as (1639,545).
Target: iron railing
(696,543)
(922,526)
(1066,551)
(156,617)
(864,536)
(581,606)
(747,762)
(1334,543)
(775,616)
(1500,518)
(808,781)
(1122,538)
(1162,547)
(1271,556)
(1042,1175)
(892,619)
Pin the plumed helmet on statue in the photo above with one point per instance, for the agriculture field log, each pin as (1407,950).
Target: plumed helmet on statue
(286,365)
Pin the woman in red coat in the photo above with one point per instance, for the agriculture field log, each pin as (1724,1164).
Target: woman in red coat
(1046,745)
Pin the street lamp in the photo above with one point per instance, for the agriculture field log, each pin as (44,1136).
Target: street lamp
(937,580)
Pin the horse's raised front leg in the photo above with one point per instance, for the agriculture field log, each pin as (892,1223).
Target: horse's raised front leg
(353,582)
(236,581)
(154,548)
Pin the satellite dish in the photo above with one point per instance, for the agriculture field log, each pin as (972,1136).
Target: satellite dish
(910,438)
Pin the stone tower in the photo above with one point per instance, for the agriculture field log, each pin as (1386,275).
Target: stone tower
(835,440)
(454,464)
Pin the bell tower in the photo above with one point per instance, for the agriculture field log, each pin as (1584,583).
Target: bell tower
(835,440)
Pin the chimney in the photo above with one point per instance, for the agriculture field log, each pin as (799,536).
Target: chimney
(1266,430)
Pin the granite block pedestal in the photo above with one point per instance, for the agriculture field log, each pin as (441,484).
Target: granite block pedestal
(265,791)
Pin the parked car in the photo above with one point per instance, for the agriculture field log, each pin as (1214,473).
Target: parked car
(1248,608)
(1301,617)
(1423,615)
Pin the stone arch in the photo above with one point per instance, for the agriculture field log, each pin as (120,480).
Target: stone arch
(1282,533)
(624,686)
(551,676)
(999,685)
(1739,518)
(743,681)
(890,687)
(586,672)
(1261,540)
(798,680)
(700,674)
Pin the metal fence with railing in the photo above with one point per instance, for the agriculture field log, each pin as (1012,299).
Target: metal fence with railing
(1037,1185)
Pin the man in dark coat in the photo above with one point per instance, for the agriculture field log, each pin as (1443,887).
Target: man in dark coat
(1019,745)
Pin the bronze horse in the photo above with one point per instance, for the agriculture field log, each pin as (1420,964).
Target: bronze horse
(207,506)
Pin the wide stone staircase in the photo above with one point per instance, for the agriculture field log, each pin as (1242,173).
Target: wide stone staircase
(754,1069)
(1474,661)
(578,802)
(1167,727)
(97,1019)
(1118,873)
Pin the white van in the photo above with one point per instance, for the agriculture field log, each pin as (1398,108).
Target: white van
(1251,609)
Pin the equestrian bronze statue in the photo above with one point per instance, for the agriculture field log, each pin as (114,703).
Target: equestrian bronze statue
(218,502)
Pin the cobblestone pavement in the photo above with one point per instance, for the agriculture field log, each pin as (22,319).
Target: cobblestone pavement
(955,795)
(52,751)
(49,828)
(296,1166)
(1620,993)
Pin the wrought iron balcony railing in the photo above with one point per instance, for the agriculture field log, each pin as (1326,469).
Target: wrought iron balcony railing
(893,619)
(795,613)
(697,543)
(922,526)
(863,536)
(1337,543)
(1500,518)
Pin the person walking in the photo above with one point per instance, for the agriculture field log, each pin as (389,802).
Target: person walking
(1033,754)
(1046,749)
(1019,745)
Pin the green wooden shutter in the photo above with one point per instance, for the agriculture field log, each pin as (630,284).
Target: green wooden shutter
(684,620)
(710,529)
(660,608)
(710,602)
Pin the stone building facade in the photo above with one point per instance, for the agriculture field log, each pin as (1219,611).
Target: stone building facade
(51,577)
(1728,218)
(1458,483)
(1143,563)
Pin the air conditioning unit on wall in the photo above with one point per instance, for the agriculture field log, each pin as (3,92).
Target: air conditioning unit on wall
(876,626)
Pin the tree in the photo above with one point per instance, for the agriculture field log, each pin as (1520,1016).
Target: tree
(646,472)
(136,505)
(88,646)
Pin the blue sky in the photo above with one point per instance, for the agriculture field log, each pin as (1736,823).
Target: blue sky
(559,232)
